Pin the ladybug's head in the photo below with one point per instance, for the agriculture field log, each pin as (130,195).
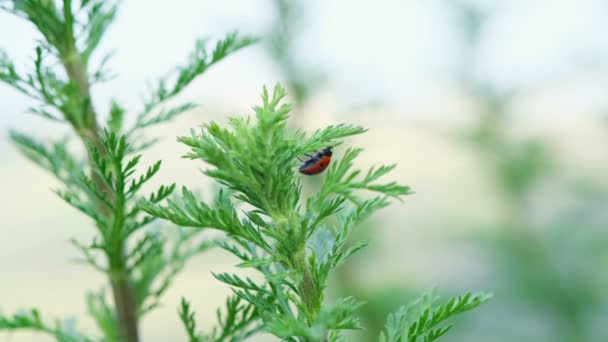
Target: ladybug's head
(327,151)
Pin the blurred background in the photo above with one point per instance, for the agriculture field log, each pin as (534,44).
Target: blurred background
(495,111)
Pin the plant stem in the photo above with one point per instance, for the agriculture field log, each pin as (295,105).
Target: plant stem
(122,289)
(84,121)
(308,290)
(124,301)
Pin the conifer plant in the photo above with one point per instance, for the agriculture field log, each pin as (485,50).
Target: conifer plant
(139,262)
(293,242)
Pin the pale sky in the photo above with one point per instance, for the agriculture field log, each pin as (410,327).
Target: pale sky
(388,50)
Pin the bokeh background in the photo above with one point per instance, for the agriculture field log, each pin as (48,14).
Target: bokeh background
(495,111)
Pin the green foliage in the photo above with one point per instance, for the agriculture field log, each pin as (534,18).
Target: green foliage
(201,59)
(424,320)
(139,261)
(54,158)
(236,323)
(256,162)
(517,165)
(104,316)
(158,258)
(32,320)
(521,244)
(119,216)
(70,37)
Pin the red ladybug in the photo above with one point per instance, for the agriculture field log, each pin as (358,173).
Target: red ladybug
(316,163)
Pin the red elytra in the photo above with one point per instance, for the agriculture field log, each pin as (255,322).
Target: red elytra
(317,163)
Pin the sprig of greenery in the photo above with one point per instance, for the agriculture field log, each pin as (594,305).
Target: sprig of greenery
(32,320)
(70,37)
(236,323)
(140,262)
(424,320)
(104,315)
(160,260)
(201,59)
(255,161)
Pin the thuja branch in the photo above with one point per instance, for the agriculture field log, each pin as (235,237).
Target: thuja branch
(105,187)
(277,237)
(426,320)
(294,242)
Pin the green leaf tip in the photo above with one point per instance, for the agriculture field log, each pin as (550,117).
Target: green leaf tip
(425,320)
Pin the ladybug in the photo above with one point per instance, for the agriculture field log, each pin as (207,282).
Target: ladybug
(316,163)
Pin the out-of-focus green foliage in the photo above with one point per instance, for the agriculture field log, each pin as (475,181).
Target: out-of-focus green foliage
(237,323)
(288,23)
(31,320)
(545,269)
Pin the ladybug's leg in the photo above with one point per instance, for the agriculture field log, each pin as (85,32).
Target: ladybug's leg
(306,154)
